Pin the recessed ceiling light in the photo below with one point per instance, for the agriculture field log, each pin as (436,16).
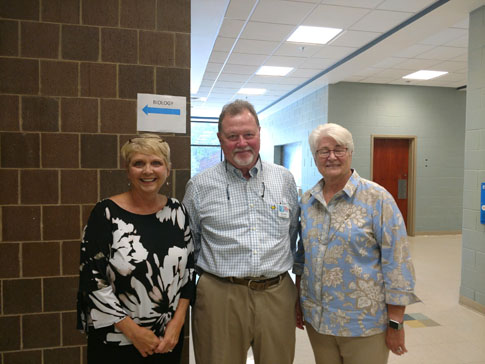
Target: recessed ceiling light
(252,91)
(273,71)
(315,35)
(424,75)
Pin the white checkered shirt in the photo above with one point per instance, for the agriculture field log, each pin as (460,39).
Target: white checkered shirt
(240,226)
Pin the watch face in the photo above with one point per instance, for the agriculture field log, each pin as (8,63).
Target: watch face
(395,325)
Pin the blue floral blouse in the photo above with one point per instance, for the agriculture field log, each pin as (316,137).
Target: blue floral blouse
(356,259)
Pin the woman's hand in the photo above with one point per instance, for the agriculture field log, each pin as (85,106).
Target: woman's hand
(172,330)
(395,341)
(170,339)
(144,340)
(395,338)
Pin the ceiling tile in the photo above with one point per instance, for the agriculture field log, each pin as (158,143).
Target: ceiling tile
(255,46)
(218,57)
(293,80)
(210,75)
(351,38)
(334,16)
(460,42)
(223,44)
(239,9)
(247,59)
(414,50)
(389,62)
(465,23)
(334,52)
(369,4)
(240,69)
(267,31)
(443,53)
(451,66)
(354,79)
(281,61)
(206,83)
(231,28)
(232,77)
(301,72)
(226,84)
(297,49)
(380,20)
(462,57)
(445,36)
(213,67)
(281,12)
(413,6)
(317,63)
(416,64)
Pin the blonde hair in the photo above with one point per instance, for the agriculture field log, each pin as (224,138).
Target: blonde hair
(147,144)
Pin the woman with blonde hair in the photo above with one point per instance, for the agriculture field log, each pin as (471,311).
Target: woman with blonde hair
(137,266)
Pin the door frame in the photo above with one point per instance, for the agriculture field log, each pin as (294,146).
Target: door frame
(412,139)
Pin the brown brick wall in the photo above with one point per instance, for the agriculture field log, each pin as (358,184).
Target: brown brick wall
(70,71)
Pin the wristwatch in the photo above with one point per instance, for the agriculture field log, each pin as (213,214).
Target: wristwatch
(393,324)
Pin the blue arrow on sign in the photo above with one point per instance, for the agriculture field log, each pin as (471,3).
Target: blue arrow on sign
(160,110)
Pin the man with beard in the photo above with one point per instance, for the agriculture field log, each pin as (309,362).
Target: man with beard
(244,219)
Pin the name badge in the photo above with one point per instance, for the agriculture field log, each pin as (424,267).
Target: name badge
(283,211)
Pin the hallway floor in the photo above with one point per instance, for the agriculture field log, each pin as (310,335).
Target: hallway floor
(438,329)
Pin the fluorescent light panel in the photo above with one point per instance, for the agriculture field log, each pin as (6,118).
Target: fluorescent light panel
(252,91)
(274,71)
(424,75)
(314,35)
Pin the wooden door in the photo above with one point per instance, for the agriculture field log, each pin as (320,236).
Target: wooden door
(390,169)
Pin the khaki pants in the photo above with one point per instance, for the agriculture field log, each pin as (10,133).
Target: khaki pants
(348,350)
(229,318)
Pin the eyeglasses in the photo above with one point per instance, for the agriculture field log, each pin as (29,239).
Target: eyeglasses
(325,153)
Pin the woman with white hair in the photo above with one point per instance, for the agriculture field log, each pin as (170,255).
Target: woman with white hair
(358,276)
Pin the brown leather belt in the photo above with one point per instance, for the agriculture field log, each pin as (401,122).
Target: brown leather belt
(256,284)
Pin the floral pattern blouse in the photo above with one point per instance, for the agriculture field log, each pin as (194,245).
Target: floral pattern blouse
(356,259)
(133,265)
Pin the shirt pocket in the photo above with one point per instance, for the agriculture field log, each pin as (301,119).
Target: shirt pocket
(279,218)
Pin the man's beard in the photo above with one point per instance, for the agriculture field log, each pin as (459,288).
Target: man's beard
(244,161)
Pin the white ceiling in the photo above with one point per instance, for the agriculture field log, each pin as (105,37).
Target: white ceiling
(231,39)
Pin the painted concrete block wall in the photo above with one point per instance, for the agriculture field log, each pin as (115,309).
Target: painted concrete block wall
(473,255)
(436,116)
(293,124)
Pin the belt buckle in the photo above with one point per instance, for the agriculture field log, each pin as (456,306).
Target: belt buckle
(253,284)
(249,283)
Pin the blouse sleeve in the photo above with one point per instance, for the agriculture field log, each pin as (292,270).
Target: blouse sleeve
(397,267)
(188,289)
(97,304)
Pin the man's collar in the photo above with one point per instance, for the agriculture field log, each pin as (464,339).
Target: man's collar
(253,172)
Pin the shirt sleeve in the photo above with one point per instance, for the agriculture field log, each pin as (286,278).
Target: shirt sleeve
(188,289)
(397,267)
(295,243)
(97,304)
(191,206)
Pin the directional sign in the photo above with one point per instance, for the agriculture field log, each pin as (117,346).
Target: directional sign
(161,113)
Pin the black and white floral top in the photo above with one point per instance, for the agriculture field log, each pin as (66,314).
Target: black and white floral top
(134,265)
